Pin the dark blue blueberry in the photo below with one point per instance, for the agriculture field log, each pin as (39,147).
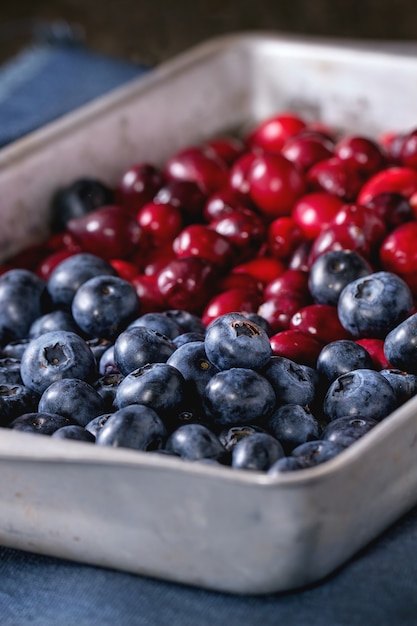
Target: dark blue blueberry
(187,338)
(234,341)
(103,306)
(15,349)
(23,298)
(260,321)
(191,360)
(10,371)
(42,423)
(106,387)
(15,400)
(332,271)
(400,345)
(360,393)
(229,437)
(403,383)
(256,452)
(157,385)
(238,396)
(71,273)
(286,464)
(73,398)
(136,426)
(185,414)
(292,425)
(314,453)
(106,364)
(75,432)
(78,199)
(54,356)
(54,320)
(346,430)
(342,356)
(195,442)
(189,322)
(137,346)
(97,423)
(292,383)
(373,305)
(159,322)
(98,346)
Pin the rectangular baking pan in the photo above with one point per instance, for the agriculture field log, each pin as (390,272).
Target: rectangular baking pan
(214,527)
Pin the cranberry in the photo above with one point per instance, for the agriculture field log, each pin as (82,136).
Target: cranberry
(239,175)
(290,282)
(160,223)
(401,180)
(201,241)
(408,152)
(187,283)
(228,149)
(375,347)
(274,184)
(314,211)
(185,195)
(365,218)
(245,230)
(49,263)
(138,185)
(300,347)
(306,149)
(320,320)
(299,260)
(361,153)
(238,299)
(393,208)
(157,259)
(221,203)
(284,237)
(240,280)
(150,297)
(124,269)
(278,311)
(272,133)
(264,269)
(398,253)
(336,177)
(338,237)
(199,165)
(110,232)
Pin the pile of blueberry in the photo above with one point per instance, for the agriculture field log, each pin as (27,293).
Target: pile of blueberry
(250,304)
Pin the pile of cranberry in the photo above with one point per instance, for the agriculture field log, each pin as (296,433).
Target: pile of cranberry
(234,224)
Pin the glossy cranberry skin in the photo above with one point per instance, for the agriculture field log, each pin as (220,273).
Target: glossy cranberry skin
(306,149)
(157,259)
(299,260)
(187,283)
(398,253)
(314,211)
(320,320)
(339,237)
(361,153)
(185,195)
(375,347)
(401,180)
(228,149)
(335,177)
(393,208)
(160,223)
(49,263)
(199,165)
(290,282)
(124,269)
(284,237)
(262,268)
(278,311)
(150,296)
(110,232)
(408,152)
(364,218)
(221,203)
(245,230)
(238,179)
(238,299)
(138,185)
(271,134)
(201,241)
(303,348)
(274,184)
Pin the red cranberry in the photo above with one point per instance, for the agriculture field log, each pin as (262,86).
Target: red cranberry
(314,211)
(278,311)
(198,165)
(228,149)
(239,175)
(360,153)
(398,253)
(320,320)
(393,208)
(221,203)
(408,152)
(300,347)
(187,283)
(138,185)
(274,184)
(240,280)
(110,232)
(401,180)
(375,347)
(160,223)
(185,195)
(149,294)
(306,149)
(299,260)
(290,282)
(335,177)
(245,230)
(365,218)
(339,237)
(264,269)
(271,134)
(201,241)
(242,300)
(284,237)
(124,269)
(157,259)
(49,263)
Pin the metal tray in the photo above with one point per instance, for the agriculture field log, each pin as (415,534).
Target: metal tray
(214,527)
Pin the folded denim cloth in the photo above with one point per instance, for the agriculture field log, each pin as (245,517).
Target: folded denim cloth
(51,77)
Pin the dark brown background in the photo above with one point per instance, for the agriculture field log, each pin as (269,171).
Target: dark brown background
(152,30)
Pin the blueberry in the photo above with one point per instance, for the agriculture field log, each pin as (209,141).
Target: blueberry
(292,425)
(15,400)
(286,464)
(238,396)
(137,346)
(15,349)
(159,322)
(104,305)
(346,430)
(332,271)
(136,426)
(54,320)
(98,346)
(37,422)
(292,383)
(106,387)
(78,199)
(187,338)
(342,356)
(400,345)
(54,356)
(195,442)
(234,341)
(157,385)
(360,393)
(71,273)
(106,364)
(403,383)
(73,431)
(373,305)
(314,453)
(189,322)
(97,423)
(229,437)
(73,398)
(260,321)
(10,371)
(191,360)
(256,452)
